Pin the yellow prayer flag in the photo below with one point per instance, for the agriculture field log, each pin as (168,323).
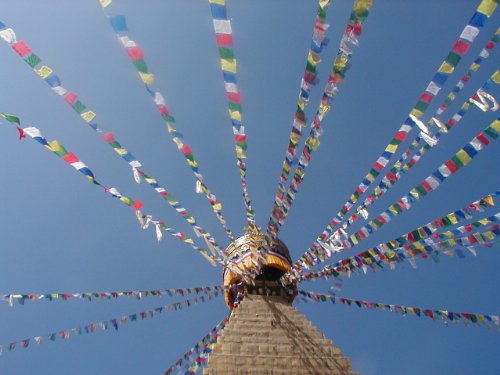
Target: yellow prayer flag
(324,3)
(489,235)
(370,177)
(354,240)
(474,67)
(126,200)
(446,67)
(496,77)
(414,193)
(55,146)
(235,115)
(228,65)
(217,207)
(391,148)
(170,128)
(313,58)
(324,107)
(340,62)
(220,2)
(463,157)
(294,138)
(105,3)
(121,151)
(147,78)
(489,200)
(313,143)
(393,210)
(487,7)
(44,71)
(192,163)
(240,153)
(88,116)
(453,218)
(495,125)
(417,113)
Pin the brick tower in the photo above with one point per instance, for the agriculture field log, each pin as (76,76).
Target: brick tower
(265,333)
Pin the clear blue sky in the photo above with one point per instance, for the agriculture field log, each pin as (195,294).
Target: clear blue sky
(61,234)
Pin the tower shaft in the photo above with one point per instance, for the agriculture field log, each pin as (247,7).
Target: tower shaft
(267,336)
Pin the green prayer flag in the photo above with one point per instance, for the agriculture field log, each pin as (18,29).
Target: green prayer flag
(453,58)
(32,60)
(11,118)
(141,66)
(226,53)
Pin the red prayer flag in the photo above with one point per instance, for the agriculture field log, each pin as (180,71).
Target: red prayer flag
(234,97)
(482,138)
(70,98)
(108,137)
(400,136)
(70,158)
(451,166)
(21,48)
(224,40)
(22,134)
(137,205)
(426,97)
(461,47)
(135,53)
(426,186)
(163,109)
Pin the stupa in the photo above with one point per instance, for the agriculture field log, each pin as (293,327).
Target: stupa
(265,334)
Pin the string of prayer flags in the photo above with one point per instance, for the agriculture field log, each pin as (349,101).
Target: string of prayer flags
(196,357)
(468,35)
(57,148)
(394,175)
(317,249)
(432,182)
(136,55)
(69,157)
(308,80)
(228,64)
(479,320)
(107,324)
(89,296)
(385,251)
(146,220)
(88,117)
(399,168)
(462,158)
(393,252)
(353,30)
(474,67)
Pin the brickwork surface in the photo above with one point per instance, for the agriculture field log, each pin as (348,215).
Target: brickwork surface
(267,336)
